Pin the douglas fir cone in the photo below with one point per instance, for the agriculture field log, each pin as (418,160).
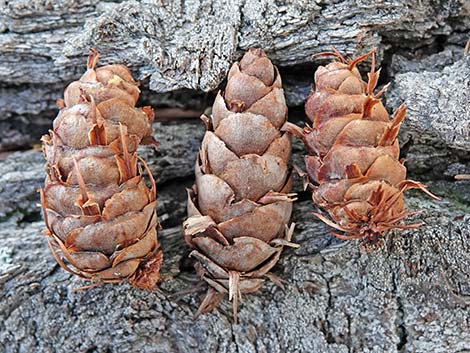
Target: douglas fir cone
(354,153)
(99,211)
(240,205)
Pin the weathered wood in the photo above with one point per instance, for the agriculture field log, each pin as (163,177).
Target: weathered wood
(436,132)
(432,98)
(410,296)
(181,44)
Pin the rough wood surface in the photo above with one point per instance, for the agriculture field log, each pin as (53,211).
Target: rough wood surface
(190,44)
(445,91)
(412,295)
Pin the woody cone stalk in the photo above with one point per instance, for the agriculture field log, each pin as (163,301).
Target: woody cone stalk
(240,204)
(353,164)
(98,207)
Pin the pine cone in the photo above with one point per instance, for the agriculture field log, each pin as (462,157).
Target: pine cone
(354,153)
(240,205)
(99,212)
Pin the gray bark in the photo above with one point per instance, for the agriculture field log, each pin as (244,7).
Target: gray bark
(436,133)
(191,44)
(412,295)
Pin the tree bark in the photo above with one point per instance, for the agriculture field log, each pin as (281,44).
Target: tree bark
(412,295)
(180,45)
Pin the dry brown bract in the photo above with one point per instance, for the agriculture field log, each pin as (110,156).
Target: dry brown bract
(99,212)
(354,153)
(240,205)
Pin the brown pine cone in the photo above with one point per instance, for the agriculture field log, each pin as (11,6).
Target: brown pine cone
(354,153)
(240,205)
(99,212)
